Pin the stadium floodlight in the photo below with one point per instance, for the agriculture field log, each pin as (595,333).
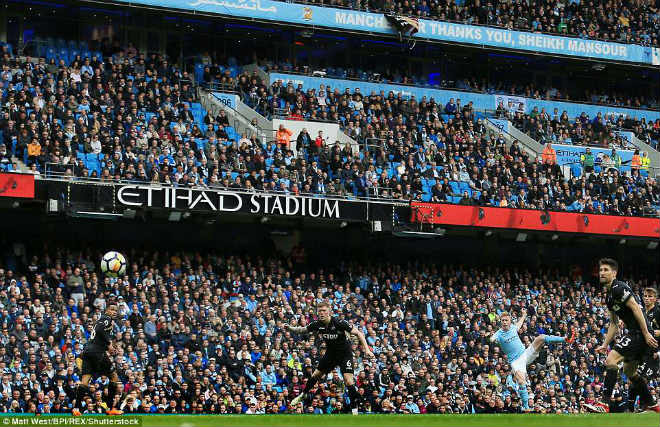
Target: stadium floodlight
(653,245)
(521,237)
(175,216)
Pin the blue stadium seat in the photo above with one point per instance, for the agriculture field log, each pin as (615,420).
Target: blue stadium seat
(51,53)
(63,53)
(201,143)
(464,186)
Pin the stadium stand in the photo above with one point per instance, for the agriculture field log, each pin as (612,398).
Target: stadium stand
(106,122)
(255,94)
(202,333)
(475,82)
(208,292)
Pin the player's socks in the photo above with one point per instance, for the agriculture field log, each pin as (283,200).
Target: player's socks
(633,391)
(610,380)
(306,390)
(309,385)
(81,392)
(354,395)
(112,392)
(549,339)
(645,398)
(524,396)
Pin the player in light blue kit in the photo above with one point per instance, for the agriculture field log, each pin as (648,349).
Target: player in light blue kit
(519,356)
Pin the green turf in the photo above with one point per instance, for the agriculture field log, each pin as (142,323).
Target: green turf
(529,420)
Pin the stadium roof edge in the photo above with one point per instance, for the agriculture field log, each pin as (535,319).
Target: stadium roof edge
(307,16)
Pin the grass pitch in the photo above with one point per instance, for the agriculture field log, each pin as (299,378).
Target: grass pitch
(484,420)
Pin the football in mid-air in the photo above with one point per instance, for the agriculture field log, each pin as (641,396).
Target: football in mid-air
(113,264)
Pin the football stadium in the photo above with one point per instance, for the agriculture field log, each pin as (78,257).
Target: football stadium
(369,213)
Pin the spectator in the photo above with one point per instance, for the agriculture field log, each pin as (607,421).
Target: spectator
(466,200)
(588,161)
(645,162)
(283,136)
(303,140)
(76,286)
(636,162)
(549,155)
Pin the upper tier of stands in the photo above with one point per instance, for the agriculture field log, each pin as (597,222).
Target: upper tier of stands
(135,118)
(619,21)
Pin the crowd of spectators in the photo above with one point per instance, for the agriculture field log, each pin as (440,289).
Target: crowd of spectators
(558,128)
(429,155)
(257,95)
(622,21)
(523,86)
(133,118)
(203,333)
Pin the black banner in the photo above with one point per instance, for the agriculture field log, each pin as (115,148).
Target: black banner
(186,199)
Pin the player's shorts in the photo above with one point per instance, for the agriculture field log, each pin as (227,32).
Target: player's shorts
(96,364)
(528,356)
(330,360)
(633,348)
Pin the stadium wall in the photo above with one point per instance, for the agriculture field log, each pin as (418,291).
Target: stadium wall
(522,219)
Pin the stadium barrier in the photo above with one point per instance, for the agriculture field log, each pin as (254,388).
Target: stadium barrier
(523,219)
(112,198)
(17,185)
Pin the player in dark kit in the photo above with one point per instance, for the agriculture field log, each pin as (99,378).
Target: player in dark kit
(337,351)
(651,364)
(95,361)
(652,310)
(634,347)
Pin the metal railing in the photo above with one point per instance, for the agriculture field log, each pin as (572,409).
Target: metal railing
(567,169)
(374,144)
(214,108)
